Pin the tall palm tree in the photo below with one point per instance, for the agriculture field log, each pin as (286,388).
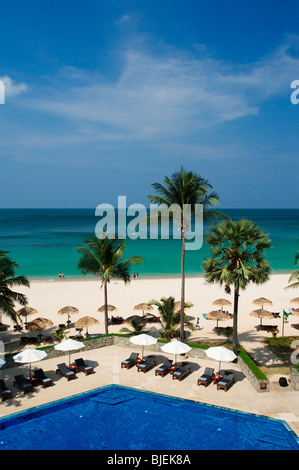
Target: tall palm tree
(169,319)
(294,276)
(105,258)
(186,187)
(8,280)
(237,249)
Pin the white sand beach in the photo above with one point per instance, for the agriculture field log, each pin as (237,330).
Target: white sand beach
(86,294)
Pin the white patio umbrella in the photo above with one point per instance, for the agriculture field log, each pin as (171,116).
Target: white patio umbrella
(175,347)
(143,340)
(221,354)
(29,355)
(69,345)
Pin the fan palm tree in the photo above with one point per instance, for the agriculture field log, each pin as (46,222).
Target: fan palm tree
(237,249)
(186,188)
(105,258)
(8,280)
(294,276)
(168,318)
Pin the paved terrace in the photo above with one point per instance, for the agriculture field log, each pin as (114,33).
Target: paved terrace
(281,403)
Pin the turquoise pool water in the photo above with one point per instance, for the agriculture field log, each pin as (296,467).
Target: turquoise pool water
(120,418)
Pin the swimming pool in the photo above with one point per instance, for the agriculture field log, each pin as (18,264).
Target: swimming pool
(120,418)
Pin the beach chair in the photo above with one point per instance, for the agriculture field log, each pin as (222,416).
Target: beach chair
(225,381)
(206,377)
(42,378)
(181,372)
(23,384)
(164,368)
(149,362)
(130,361)
(64,370)
(4,391)
(80,363)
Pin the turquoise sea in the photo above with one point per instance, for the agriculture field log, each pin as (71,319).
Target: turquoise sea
(42,242)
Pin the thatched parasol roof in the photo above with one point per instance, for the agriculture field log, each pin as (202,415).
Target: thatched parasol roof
(295,312)
(85,322)
(217,315)
(110,308)
(24,311)
(39,324)
(143,306)
(262,301)
(222,302)
(261,313)
(68,310)
(177,305)
(295,300)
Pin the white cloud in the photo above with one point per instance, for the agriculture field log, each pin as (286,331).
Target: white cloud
(12,88)
(167,97)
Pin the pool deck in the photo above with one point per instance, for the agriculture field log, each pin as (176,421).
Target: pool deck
(279,403)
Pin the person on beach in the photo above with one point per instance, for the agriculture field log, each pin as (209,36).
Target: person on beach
(197,323)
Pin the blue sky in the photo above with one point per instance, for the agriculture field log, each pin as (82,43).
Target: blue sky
(105,97)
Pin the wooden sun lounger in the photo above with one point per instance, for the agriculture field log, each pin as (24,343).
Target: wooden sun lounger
(64,370)
(181,372)
(225,381)
(147,364)
(206,377)
(24,384)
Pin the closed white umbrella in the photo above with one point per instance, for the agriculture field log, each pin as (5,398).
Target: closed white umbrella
(29,355)
(143,340)
(221,354)
(175,347)
(69,345)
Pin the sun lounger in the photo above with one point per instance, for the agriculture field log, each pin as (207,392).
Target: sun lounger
(295,325)
(225,381)
(4,391)
(80,363)
(42,378)
(147,364)
(64,370)
(181,372)
(24,384)
(130,361)
(206,377)
(164,368)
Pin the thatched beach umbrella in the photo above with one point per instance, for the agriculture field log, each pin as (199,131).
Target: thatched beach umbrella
(68,310)
(222,302)
(262,301)
(39,324)
(261,313)
(85,322)
(25,311)
(143,306)
(295,301)
(217,315)
(177,305)
(110,308)
(136,318)
(295,312)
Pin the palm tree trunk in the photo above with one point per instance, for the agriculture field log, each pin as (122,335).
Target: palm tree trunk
(182,333)
(106,307)
(235,319)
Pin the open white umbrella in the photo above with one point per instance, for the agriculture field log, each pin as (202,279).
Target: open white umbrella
(143,340)
(175,347)
(69,345)
(221,354)
(29,355)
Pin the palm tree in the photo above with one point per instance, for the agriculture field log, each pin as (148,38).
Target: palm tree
(8,280)
(186,187)
(104,258)
(168,318)
(295,275)
(237,249)
(138,327)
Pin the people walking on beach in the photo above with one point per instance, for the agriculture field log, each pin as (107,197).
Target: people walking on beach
(197,324)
